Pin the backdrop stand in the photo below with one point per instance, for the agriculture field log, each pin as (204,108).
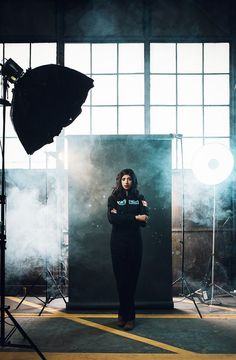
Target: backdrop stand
(52,285)
(51,293)
(184,283)
(5,313)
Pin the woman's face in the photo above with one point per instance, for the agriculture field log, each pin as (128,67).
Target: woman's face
(126,182)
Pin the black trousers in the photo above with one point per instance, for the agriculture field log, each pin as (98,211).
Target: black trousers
(126,254)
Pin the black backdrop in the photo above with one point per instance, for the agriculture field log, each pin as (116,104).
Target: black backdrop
(93,163)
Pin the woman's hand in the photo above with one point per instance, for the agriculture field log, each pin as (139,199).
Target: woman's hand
(142,218)
(113,211)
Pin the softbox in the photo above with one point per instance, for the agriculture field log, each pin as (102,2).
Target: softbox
(46,99)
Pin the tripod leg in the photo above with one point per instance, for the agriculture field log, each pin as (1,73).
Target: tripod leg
(44,305)
(57,286)
(50,298)
(29,291)
(23,333)
(224,291)
(23,299)
(192,297)
(177,280)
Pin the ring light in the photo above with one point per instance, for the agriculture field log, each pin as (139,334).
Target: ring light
(212,163)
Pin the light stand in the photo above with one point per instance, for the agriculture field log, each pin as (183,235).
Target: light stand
(212,262)
(182,278)
(5,313)
(36,126)
(212,165)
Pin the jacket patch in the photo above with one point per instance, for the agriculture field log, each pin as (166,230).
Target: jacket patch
(133,202)
(121,202)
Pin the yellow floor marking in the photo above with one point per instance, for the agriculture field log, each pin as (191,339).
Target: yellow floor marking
(31,304)
(50,309)
(112,316)
(113,356)
(132,336)
(80,318)
(148,316)
(122,333)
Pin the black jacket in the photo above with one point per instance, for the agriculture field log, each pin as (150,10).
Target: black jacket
(127,207)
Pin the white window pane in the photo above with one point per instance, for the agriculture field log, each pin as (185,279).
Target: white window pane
(216,58)
(77,57)
(19,53)
(15,155)
(189,89)
(190,147)
(223,141)
(190,121)
(104,120)
(131,89)
(131,58)
(104,58)
(81,125)
(189,58)
(216,121)
(10,131)
(44,158)
(163,90)
(163,120)
(162,58)
(42,54)
(131,120)
(216,89)
(105,90)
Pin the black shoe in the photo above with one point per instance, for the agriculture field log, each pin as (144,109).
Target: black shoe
(120,321)
(129,325)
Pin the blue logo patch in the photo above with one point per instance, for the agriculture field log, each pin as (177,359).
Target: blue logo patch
(134,202)
(121,202)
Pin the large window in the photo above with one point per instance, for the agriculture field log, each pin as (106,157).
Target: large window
(185,90)
(116,103)
(190,94)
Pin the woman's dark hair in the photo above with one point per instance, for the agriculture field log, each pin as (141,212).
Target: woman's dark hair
(118,189)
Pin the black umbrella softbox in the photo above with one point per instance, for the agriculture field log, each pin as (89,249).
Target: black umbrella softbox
(45,100)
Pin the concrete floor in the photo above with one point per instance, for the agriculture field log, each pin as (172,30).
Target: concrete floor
(172,334)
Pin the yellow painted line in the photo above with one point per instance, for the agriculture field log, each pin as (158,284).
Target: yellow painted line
(47,308)
(113,356)
(80,318)
(59,314)
(132,336)
(113,331)
(124,334)
(31,304)
(50,309)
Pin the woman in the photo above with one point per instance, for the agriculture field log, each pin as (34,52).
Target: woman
(127,211)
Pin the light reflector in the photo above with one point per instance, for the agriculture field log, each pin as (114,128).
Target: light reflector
(212,163)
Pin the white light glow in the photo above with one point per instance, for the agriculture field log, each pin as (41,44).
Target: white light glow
(212,163)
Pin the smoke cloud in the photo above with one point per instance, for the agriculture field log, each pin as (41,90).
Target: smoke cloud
(199,200)
(31,230)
